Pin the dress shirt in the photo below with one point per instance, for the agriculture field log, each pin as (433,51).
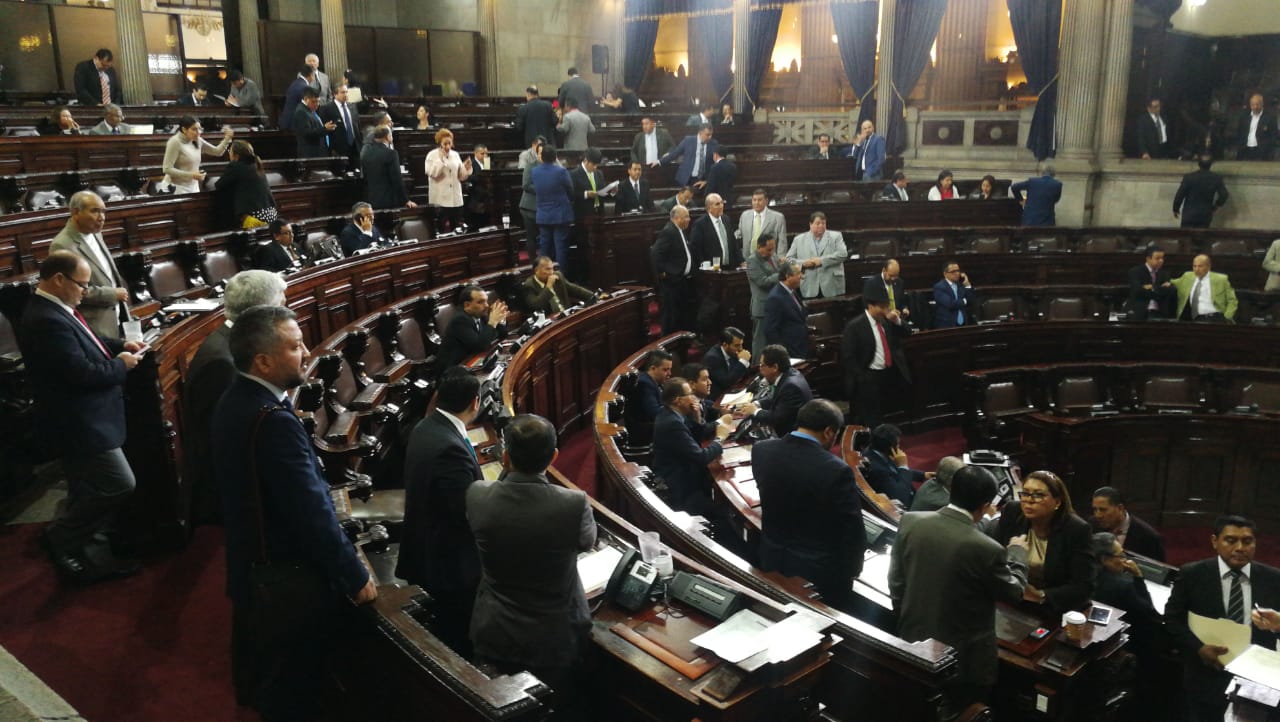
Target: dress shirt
(457,425)
(1204,304)
(1252,142)
(757,226)
(1245,586)
(1122,532)
(955,291)
(346,122)
(49,296)
(1151,306)
(651,148)
(79,319)
(1164,138)
(718,222)
(635,185)
(902,192)
(688,255)
(877,361)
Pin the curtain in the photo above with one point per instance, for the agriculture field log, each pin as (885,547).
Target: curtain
(915,27)
(1036,25)
(642,32)
(711,41)
(762,34)
(856,24)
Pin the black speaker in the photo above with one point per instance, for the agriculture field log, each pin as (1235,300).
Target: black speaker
(600,59)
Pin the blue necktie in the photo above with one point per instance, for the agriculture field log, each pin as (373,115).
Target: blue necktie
(955,291)
(321,122)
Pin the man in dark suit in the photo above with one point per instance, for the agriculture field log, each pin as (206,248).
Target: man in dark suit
(576,90)
(380,166)
(96,82)
(897,188)
(1042,194)
(1151,293)
(945,578)
(1200,194)
(280,254)
(211,372)
(789,390)
(311,132)
(712,236)
(822,150)
(721,175)
(812,519)
(279,517)
(474,330)
(198,97)
(360,233)
(645,403)
(437,551)
(1152,132)
(678,459)
(694,153)
(293,95)
(553,189)
(887,470)
(727,362)
(674,262)
(588,187)
(546,291)
(344,139)
(953,298)
(535,118)
(77,378)
(889,279)
(683,197)
(1256,131)
(651,143)
(872,359)
(785,317)
(633,193)
(530,610)
(1226,586)
(1134,534)
(868,153)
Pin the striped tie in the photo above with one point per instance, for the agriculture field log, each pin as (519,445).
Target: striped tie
(1235,607)
(106,87)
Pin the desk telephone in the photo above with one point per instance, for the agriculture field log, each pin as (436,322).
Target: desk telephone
(631,582)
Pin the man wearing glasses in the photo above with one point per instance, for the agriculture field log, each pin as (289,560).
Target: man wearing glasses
(677,456)
(76,378)
(360,233)
(953,297)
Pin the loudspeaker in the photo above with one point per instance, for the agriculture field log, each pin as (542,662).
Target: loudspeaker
(600,59)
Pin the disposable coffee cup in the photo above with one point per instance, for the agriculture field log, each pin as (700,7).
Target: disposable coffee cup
(649,546)
(132,330)
(1074,623)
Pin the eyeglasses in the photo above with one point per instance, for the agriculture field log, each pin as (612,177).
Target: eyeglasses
(953,270)
(1035,495)
(84,285)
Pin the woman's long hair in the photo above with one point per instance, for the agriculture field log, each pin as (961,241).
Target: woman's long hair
(244,154)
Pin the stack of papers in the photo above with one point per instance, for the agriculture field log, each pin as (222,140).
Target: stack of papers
(1257,664)
(750,641)
(735,399)
(595,568)
(195,304)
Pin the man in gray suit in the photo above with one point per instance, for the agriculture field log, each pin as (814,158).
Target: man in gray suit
(935,493)
(758,221)
(112,122)
(105,303)
(319,81)
(822,253)
(530,611)
(945,577)
(762,275)
(575,126)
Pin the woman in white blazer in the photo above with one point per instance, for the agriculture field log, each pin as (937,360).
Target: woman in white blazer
(445,173)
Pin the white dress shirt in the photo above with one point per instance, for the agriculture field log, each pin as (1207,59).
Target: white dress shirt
(1164,138)
(877,361)
(651,148)
(1245,586)
(1252,142)
(1204,304)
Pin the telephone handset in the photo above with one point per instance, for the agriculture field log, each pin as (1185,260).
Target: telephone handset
(631,582)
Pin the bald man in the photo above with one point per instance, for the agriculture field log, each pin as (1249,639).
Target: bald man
(889,279)
(1204,295)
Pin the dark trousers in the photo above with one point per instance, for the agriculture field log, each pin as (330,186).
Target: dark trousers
(553,242)
(530,232)
(864,401)
(97,486)
(757,337)
(675,298)
(1259,153)
(1195,223)
(448,219)
(287,677)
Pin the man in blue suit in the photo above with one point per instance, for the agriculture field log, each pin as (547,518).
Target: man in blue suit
(953,298)
(76,379)
(1042,194)
(279,517)
(790,390)
(727,361)
(887,470)
(554,190)
(360,233)
(677,457)
(695,155)
(868,153)
(785,317)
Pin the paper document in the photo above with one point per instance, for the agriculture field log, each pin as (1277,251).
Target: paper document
(796,362)
(491,470)
(735,455)
(609,189)
(1222,632)
(1258,664)
(478,435)
(735,399)
(737,637)
(195,304)
(790,637)
(595,568)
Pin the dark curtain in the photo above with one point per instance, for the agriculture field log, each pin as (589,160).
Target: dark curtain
(856,24)
(915,28)
(712,36)
(641,35)
(762,34)
(1036,24)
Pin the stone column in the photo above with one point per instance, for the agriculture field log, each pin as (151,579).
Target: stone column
(1115,83)
(741,53)
(492,61)
(131,56)
(1079,67)
(250,51)
(962,45)
(333,33)
(884,66)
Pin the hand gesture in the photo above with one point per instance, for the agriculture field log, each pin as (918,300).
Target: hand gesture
(498,313)
(899,457)
(122,294)
(749,408)
(699,184)
(200,175)
(551,280)
(410,204)
(723,429)
(228,131)
(467,164)
(1209,654)
(1018,541)
(330,125)
(744,356)
(130,359)
(1265,619)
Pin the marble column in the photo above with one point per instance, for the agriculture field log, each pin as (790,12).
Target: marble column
(884,66)
(250,50)
(131,57)
(492,59)
(1079,67)
(333,33)
(741,53)
(1115,82)
(962,45)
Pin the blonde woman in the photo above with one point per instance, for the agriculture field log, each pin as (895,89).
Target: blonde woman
(445,173)
(182,155)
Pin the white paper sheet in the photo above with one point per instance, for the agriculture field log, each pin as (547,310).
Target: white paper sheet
(195,304)
(737,637)
(735,455)
(595,568)
(1223,632)
(735,399)
(1257,664)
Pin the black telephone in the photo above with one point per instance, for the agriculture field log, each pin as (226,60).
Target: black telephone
(631,582)
(749,430)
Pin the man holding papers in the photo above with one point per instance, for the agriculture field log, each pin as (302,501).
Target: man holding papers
(1226,586)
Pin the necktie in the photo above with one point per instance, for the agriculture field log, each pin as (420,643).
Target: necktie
(591,178)
(92,335)
(795,296)
(636,186)
(755,229)
(955,291)
(346,120)
(1160,128)
(688,258)
(106,87)
(115,130)
(286,404)
(724,243)
(884,345)
(1152,305)
(1195,301)
(1235,607)
(893,305)
(556,306)
(701,160)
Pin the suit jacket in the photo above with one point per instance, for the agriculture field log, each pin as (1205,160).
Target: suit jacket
(576,127)
(720,179)
(664,143)
(324,87)
(680,461)
(103,129)
(790,392)
(1268,131)
(687,152)
(554,191)
(949,303)
(666,205)
(891,192)
(1149,137)
(888,478)
(724,371)
(189,99)
(1143,539)
(1224,296)
(771,221)
(530,609)
(89,86)
(583,206)
(945,578)
(310,133)
(1140,298)
(812,519)
(1069,565)
(99,303)
(465,337)
(273,257)
(931,496)
(536,118)
(833,152)
(300,524)
(827,279)
(899,296)
(384,183)
(858,350)
(292,99)
(670,253)
(437,551)
(579,90)
(1199,195)
(537,297)
(211,372)
(1199,589)
(353,239)
(78,390)
(629,200)
(786,321)
(874,150)
(706,244)
(339,143)
(1042,194)
(762,276)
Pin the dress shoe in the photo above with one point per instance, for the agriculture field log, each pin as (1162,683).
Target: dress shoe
(80,569)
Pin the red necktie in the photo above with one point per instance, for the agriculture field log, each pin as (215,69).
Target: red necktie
(884,345)
(92,335)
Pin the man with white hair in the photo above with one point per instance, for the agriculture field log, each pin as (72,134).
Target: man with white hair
(319,81)
(674,262)
(106,299)
(935,493)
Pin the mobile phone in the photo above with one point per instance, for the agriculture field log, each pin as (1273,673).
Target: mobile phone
(1100,615)
(1039,633)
